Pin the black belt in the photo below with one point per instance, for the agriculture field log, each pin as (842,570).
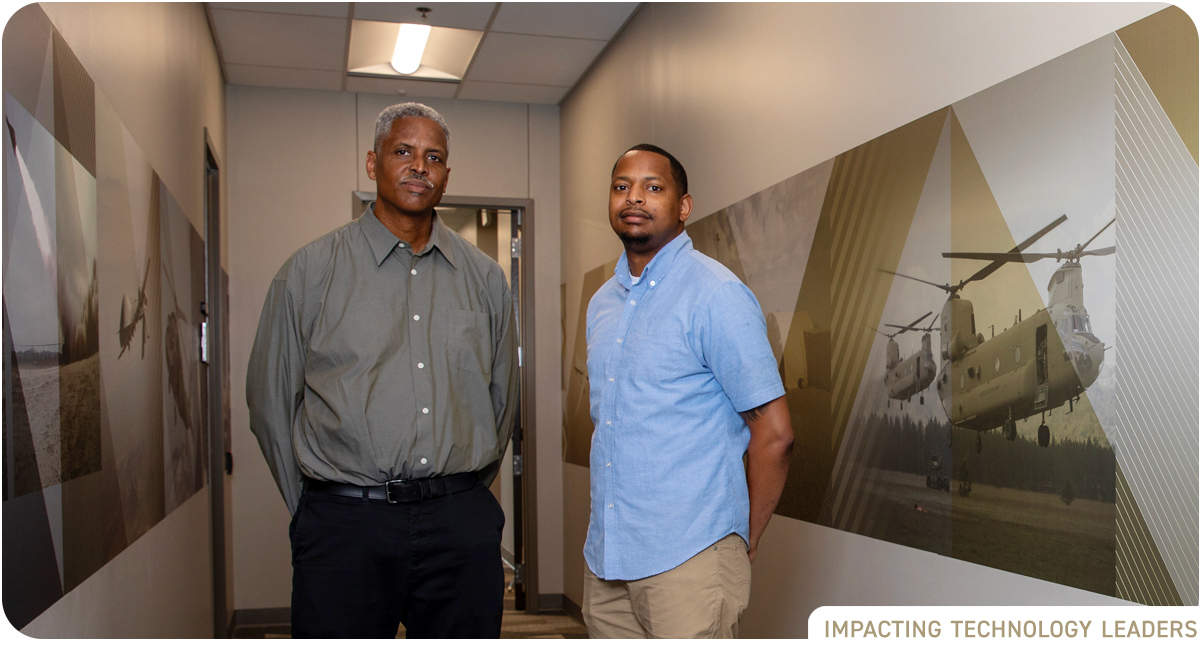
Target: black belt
(399,490)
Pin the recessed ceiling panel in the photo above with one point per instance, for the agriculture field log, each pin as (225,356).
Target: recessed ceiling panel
(465,15)
(511,93)
(306,42)
(517,58)
(582,20)
(274,76)
(331,9)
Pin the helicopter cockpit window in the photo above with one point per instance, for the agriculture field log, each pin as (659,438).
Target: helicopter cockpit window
(1061,277)
(997,364)
(1017,354)
(1081,323)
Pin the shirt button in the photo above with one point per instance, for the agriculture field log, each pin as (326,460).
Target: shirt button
(420,365)
(610,380)
(610,506)
(620,340)
(608,423)
(424,461)
(652,282)
(632,302)
(425,411)
(416,317)
(413,271)
(608,464)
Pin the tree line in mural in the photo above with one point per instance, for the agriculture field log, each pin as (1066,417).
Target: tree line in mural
(1088,465)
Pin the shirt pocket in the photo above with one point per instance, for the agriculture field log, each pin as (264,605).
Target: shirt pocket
(468,341)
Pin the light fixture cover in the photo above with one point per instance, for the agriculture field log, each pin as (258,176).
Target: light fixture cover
(373,45)
(410,46)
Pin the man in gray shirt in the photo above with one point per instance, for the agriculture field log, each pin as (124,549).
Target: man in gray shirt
(381,388)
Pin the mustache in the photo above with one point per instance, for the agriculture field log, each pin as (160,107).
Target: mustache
(635,212)
(417,177)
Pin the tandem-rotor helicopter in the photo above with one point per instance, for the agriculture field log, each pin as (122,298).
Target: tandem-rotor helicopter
(912,375)
(131,316)
(1026,369)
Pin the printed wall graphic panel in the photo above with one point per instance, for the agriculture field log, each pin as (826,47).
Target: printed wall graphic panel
(1163,48)
(1157,288)
(577,420)
(105,430)
(988,338)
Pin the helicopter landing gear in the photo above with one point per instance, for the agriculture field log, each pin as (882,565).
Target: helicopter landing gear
(1043,433)
(1010,429)
(978,442)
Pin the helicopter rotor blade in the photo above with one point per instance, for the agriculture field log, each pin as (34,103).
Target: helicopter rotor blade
(1040,233)
(1089,241)
(1015,252)
(944,287)
(1100,252)
(1006,257)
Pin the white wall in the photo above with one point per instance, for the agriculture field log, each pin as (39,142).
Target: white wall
(295,157)
(747,95)
(157,65)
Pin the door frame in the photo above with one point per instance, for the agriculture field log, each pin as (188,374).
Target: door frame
(527,294)
(218,463)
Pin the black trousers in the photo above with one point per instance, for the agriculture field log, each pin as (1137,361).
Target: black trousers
(360,568)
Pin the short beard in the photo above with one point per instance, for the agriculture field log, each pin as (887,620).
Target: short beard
(633,240)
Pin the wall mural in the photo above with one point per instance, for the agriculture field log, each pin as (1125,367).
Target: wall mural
(103,278)
(985,323)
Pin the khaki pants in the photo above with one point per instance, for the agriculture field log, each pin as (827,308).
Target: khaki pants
(701,598)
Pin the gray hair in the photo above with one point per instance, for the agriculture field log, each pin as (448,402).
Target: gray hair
(383,125)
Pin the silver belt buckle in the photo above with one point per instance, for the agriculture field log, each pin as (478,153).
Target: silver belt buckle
(387,489)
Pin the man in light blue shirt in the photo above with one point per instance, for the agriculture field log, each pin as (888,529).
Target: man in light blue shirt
(683,385)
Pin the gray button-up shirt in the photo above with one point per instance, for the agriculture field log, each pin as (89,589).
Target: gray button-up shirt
(372,363)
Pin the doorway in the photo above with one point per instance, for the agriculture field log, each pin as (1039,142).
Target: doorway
(503,229)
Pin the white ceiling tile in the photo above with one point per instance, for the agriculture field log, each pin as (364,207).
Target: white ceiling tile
(274,76)
(466,15)
(583,20)
(486,91)
(332,9)
(517,58)
(306,42)
(393,87)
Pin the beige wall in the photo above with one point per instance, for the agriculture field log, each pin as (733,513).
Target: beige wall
(295,157)
(747,95)
(157,65)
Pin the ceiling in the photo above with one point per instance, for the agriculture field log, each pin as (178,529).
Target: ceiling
(529,53)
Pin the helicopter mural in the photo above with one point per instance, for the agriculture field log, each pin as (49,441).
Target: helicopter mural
(1027,368)
(911,375)
(132,315)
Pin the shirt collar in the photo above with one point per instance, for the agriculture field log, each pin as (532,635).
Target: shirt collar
(659,266)
(383,241)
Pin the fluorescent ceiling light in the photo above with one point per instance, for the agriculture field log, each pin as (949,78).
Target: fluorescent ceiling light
(410,46)
(447,52)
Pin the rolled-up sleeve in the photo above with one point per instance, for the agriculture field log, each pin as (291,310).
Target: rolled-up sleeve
(275,386)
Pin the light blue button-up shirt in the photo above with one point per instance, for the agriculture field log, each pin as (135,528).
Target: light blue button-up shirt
(671,362)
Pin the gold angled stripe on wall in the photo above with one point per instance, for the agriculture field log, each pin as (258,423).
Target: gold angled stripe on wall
(1141,574)
(872,197)
(1164,48)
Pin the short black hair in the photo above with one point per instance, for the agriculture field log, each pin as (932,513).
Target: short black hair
(677,171)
